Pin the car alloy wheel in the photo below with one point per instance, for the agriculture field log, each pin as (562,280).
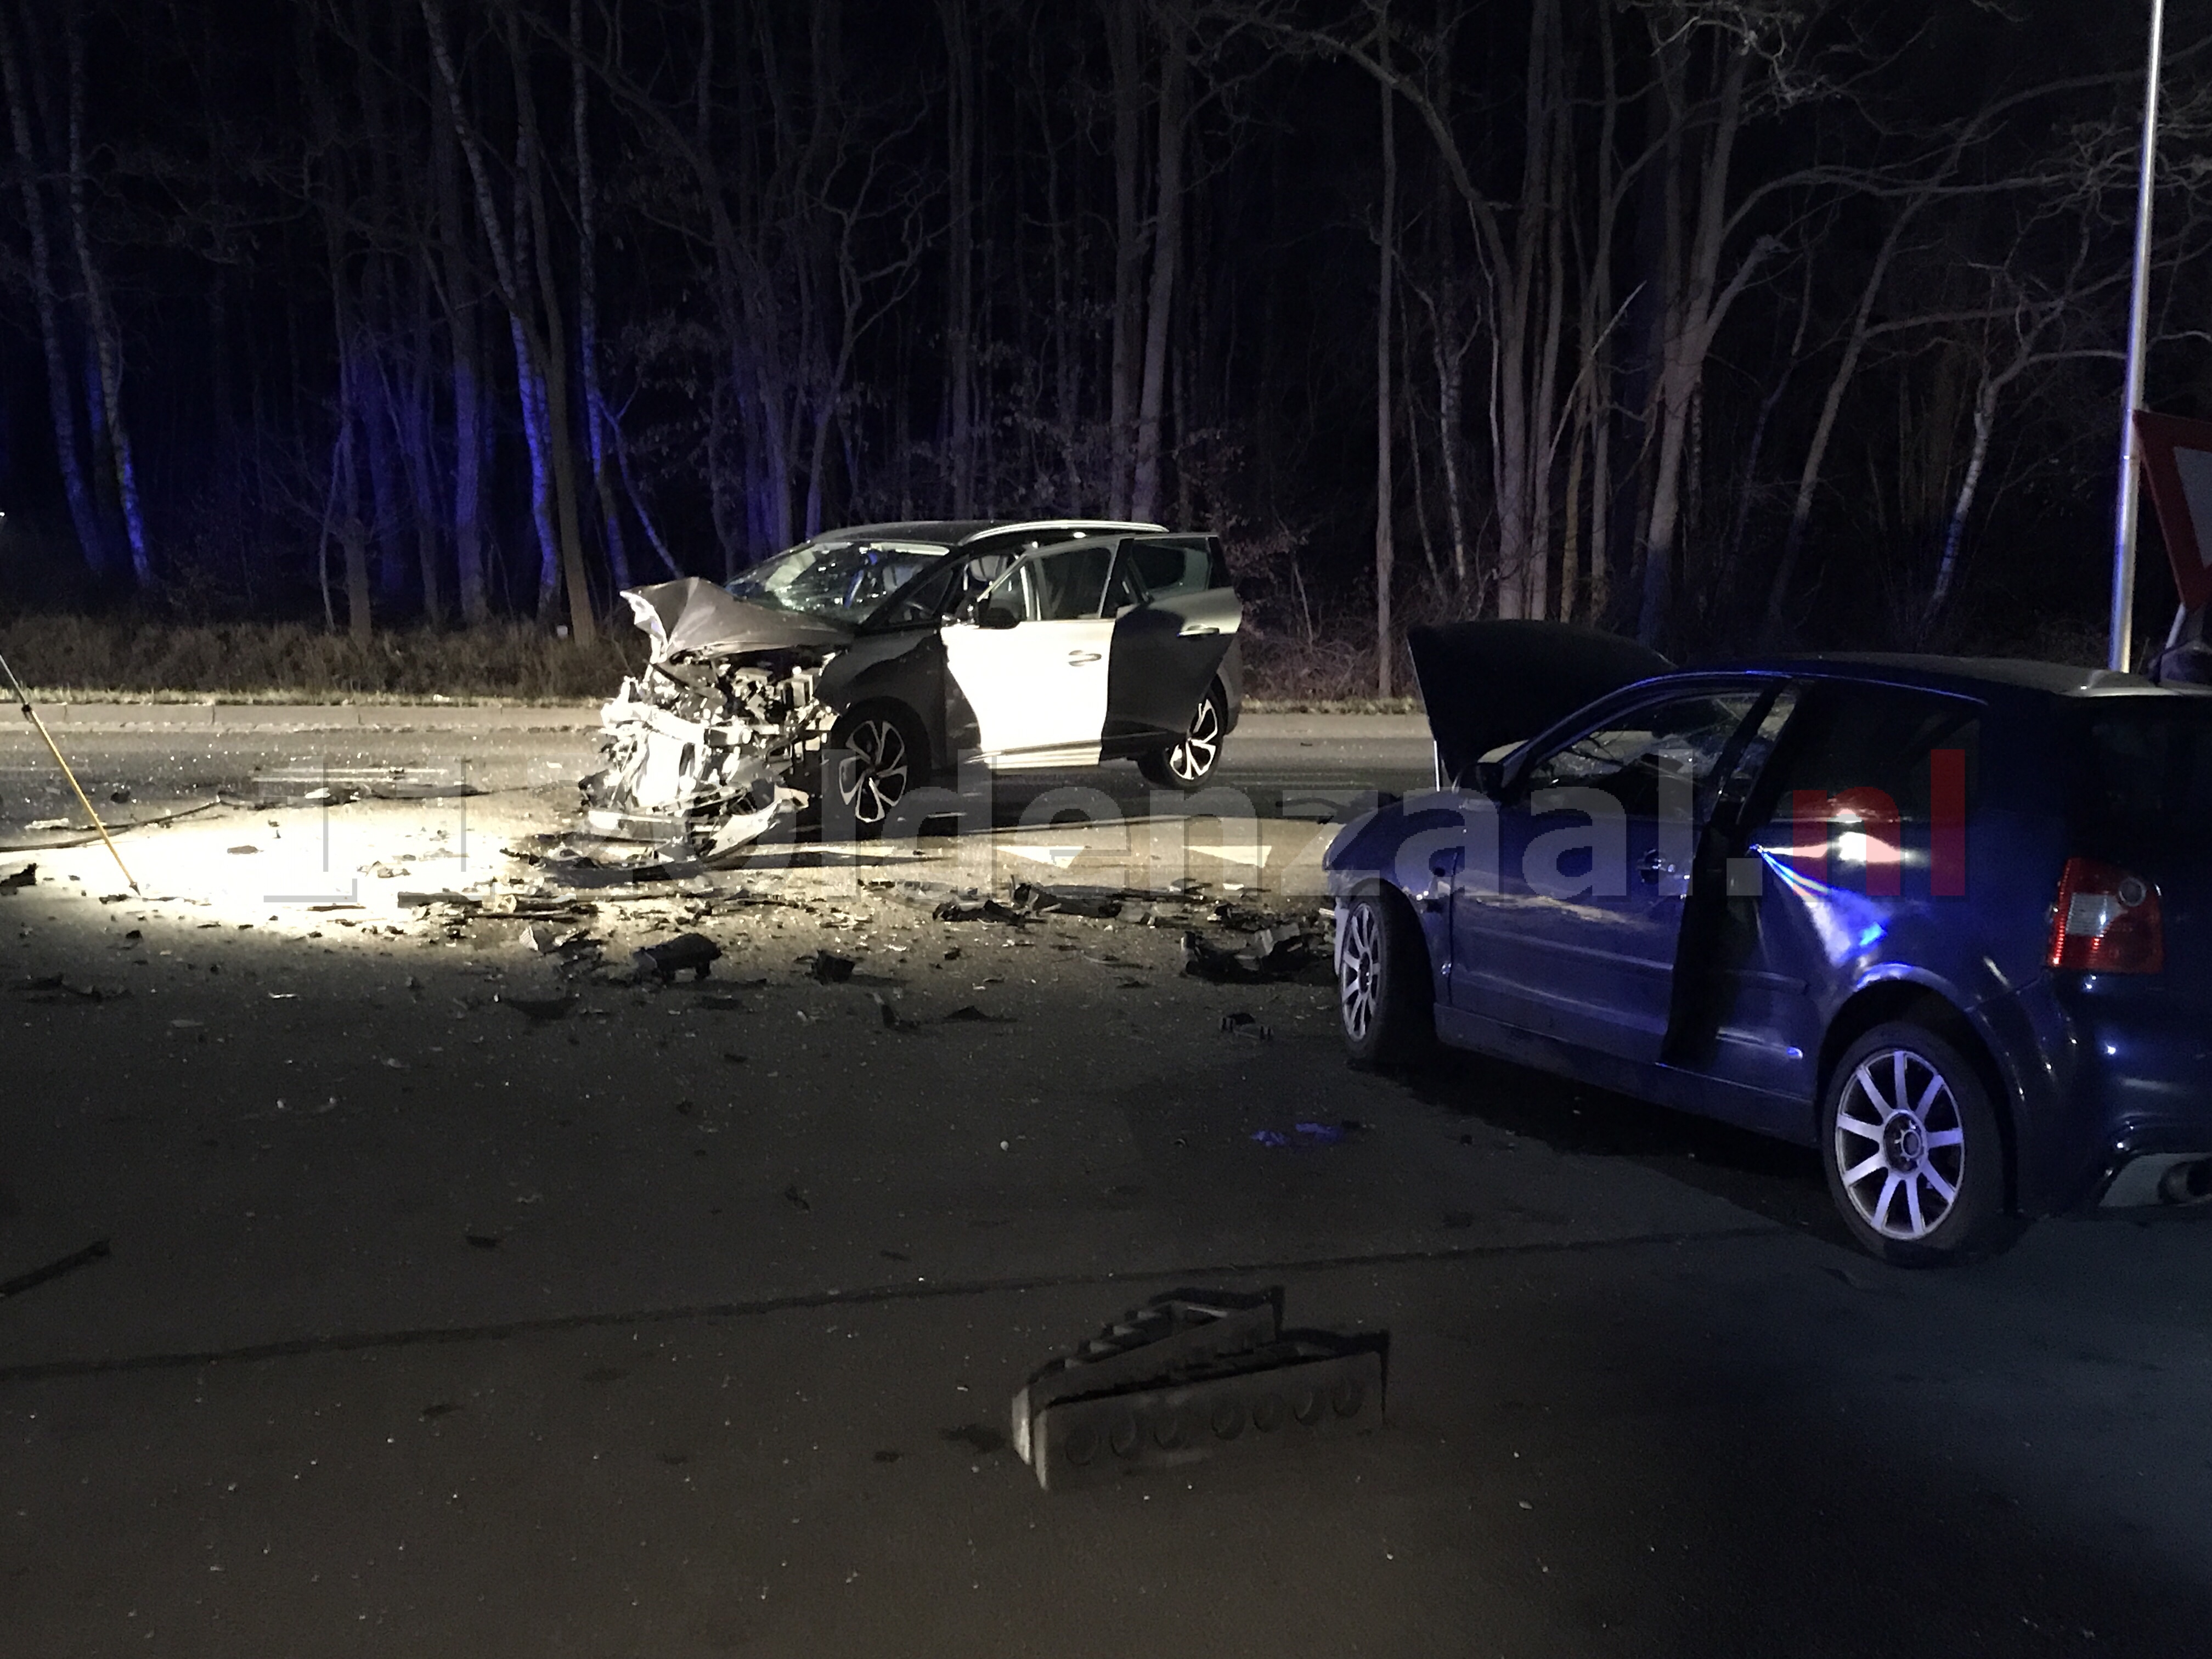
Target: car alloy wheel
(1359,971)
(1192,760)
(1385,993)
(874,775)
(1900,1144)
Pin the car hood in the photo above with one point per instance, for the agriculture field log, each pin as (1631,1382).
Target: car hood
(690,617)
(1485,683)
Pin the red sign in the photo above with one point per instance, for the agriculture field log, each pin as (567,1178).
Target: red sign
(2177,457)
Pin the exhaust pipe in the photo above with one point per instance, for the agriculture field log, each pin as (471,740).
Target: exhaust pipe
(2187,1183)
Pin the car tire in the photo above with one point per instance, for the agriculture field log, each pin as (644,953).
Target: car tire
(884,759)
(1189,765)
(1912,1152)
(1385,990)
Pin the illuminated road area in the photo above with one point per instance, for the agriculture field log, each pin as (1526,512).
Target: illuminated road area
(684,1321)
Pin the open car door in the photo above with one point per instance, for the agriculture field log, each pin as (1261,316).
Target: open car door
(1175,617)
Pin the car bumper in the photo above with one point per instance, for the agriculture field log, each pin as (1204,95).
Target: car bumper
(2114,1084)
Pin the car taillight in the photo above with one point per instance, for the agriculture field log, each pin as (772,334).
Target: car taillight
(2107,922)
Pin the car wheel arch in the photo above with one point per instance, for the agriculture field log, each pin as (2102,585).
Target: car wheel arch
(1911,1001)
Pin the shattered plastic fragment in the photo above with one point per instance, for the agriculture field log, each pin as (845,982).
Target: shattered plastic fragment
(694,953)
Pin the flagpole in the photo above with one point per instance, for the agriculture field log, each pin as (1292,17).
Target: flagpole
(2124,530)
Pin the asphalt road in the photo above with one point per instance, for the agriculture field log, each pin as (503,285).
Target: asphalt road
(686,1323)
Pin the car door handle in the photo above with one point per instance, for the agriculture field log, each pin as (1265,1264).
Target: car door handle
(1076,659)
(1197,631)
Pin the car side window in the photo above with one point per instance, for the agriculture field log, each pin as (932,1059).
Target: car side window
(1167,566)
(1062,586)
(1848,736)
(1683,737)
(926,599)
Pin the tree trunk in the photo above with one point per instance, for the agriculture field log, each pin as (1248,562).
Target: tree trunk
(99,320)
(468,368)
(959,255)
(583,626)
(61,403)
(1694,321)
(1167,251)
(597,420)
(1128,254)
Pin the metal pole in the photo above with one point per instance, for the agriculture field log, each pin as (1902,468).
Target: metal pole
(2124,529)
(31,715)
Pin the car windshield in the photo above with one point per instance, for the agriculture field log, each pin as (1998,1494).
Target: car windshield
(842,578)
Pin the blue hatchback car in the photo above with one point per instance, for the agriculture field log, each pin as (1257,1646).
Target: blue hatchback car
(1938,918)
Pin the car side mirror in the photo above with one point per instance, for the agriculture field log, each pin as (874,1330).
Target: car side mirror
(996,616)
(1488,778)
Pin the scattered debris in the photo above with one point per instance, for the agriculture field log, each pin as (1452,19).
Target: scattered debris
(540,993)
(54,987)
(1241,1023)
(969,1014)
(483,1240)
(88,837)
(827,967)
(95,1251)
(241,851)
(1269,954)
(796,1199)
(893,1020)
(1097,903)
(692,953)
(15,883)
(1183,1378)
(978,910)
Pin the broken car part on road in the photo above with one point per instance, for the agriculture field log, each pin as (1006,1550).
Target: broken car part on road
(1190,1375)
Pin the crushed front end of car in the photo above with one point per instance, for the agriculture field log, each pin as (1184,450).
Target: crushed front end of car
(703,745)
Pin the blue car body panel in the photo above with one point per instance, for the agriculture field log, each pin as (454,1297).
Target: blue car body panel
(1733,1003)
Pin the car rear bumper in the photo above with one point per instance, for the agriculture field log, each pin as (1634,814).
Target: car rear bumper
(2113,1078)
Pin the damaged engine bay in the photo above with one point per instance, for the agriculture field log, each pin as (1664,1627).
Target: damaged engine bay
(699,747)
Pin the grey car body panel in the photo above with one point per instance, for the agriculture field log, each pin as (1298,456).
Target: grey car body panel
(690,617)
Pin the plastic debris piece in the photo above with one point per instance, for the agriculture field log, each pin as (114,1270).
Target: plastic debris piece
(1241,1023)
(1271,1137)
(18,880)
(827,967)
(893,1020)
(694,953)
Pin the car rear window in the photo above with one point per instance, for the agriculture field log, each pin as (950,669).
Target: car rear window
(2149,762)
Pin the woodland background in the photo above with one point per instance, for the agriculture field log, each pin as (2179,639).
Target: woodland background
(1735,324)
